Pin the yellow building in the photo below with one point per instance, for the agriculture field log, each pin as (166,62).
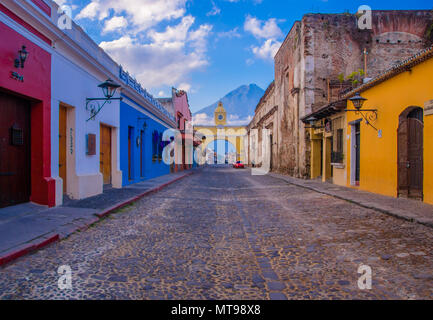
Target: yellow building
(385,146)
(221,131)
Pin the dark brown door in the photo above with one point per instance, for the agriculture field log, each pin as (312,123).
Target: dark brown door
(410,158)
(141,154)
(358,153)
(130,153)
(62,146)
(271,141)
(14,150)
(105,153)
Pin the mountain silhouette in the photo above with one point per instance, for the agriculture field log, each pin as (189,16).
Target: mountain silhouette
(239,104)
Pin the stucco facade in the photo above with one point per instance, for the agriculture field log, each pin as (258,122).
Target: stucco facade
(385,156)
(317,50)
(29,85)
(265,117)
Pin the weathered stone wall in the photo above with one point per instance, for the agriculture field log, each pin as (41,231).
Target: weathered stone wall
(318,49)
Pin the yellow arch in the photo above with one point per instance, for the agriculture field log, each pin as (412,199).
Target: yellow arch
(234,135)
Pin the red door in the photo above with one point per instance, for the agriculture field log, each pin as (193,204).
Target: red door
(14,150)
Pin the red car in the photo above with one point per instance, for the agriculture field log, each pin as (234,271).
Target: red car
(238,165)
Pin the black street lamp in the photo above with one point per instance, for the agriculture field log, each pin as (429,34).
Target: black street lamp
(109,88)
(311,121)
(23,54)
(369,115)
(358,101)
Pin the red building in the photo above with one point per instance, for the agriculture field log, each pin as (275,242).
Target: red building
(25,106)
(183,119)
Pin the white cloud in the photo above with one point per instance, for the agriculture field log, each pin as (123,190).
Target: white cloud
(262,29)
(141,14)
(184,86)
(202,119)
(234,33)
(168,58)
(268,50)
(215,10)
(114,24)
(267,30)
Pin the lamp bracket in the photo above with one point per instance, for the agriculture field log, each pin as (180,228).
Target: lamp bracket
(94,105)
(369,115)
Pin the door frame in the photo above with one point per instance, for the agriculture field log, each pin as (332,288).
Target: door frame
(63,109)
(353,158)
(27,130)
(403,118)
(101,125)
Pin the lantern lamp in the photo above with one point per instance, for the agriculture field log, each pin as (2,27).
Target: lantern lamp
(23,54)
(358,101)
(109,88)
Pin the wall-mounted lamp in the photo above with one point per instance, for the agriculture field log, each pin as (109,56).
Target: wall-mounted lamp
(144,122)
(311,121)
(369,115)
(23,54)
(109,88)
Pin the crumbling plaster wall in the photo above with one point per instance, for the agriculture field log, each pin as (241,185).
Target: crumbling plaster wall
(322,46)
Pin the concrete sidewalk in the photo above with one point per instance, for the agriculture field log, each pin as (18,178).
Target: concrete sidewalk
(27,227)
(406,209)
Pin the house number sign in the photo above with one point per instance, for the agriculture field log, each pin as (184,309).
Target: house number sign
(428,108)
(71,137)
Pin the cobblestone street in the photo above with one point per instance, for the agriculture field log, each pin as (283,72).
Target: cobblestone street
(225,234)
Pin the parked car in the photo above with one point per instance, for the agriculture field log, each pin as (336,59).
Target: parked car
(238,165)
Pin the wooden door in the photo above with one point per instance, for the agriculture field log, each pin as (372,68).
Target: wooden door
(141,153)
(105,153)
(14,150)
(271,161)
(358,153)
(62,146)
(410,158)
(129,153)
(402,154)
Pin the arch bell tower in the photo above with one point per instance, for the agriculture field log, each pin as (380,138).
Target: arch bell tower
(220,115)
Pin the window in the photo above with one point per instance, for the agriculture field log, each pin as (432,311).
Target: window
(160,146)
(155,140)
(340,140)
(337,155)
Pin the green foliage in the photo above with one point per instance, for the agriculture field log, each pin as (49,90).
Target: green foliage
(355,77)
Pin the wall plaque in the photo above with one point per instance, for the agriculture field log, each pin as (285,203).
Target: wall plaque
(91,144)
(428,108)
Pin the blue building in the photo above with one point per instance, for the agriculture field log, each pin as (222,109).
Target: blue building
(143,120)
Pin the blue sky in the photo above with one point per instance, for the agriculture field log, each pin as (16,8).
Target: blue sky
(208,47)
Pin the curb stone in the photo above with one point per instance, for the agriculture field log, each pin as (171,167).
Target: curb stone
(45,241)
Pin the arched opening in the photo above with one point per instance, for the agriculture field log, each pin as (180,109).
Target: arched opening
(221,151)
(410,153)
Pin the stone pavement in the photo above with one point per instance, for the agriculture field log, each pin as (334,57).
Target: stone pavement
(28,225)
(224,234)
(406,209)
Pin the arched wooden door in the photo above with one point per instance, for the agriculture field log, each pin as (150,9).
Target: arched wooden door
(410,156)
